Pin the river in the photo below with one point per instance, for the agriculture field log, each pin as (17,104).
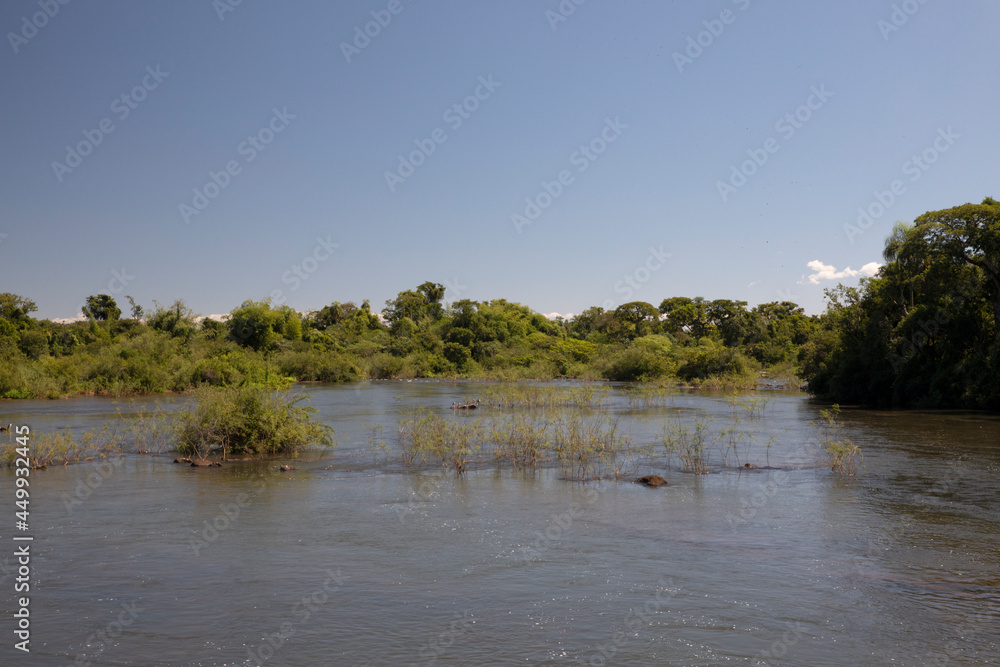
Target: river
(353,559)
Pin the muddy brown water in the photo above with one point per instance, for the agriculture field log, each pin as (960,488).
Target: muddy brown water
(354,560)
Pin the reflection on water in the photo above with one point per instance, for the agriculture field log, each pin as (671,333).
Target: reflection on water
(350,561)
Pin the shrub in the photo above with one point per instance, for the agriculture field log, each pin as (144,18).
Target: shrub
(248,421)
(636,363)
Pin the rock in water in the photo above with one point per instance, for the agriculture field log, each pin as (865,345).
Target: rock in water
(287,468)
(652,481)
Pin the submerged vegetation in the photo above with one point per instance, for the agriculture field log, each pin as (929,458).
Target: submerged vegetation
(584,447)
(248,421)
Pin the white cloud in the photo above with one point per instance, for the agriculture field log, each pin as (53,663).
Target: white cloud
(870,269)
(753,283)
(566,316)
(823,271)
(69,320)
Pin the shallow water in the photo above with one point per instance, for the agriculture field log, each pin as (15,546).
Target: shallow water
(354,560)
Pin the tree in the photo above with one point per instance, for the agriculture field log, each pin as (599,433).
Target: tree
(176,320)
(433,292)
(136,308)
(968,233)
(731,320)
(406,304)
(684,314)
(638,318)
(256,325)
(102,308)
(16,309)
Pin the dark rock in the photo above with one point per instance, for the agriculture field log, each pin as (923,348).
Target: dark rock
(652,481)
(287,468)
(204,463)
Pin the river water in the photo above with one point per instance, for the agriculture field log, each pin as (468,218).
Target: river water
(355,560)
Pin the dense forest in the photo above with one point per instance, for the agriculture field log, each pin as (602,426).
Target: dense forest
(923,332)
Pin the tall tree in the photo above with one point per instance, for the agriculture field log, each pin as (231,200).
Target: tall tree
(969,233)
(16,309)
(102,308)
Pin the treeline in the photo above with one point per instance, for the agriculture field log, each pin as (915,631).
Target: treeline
(923,332)
(720,342)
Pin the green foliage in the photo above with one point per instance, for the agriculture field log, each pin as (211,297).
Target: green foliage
(924,331)
(844,455)
(255,325)
(711,358)
(16,310)
(101,308)
(176,320)
(457,354)
(248,421)
(637,363)
(691,444)
(637,318)
(34,343)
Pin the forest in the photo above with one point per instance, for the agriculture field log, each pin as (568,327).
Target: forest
(921,333)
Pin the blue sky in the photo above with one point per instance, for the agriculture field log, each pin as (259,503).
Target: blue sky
(659,166)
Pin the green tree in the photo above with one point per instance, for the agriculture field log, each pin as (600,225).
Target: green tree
(731,319)
(433,292)
(102,308)
(406,304)
(255,325)
(638,319)
(457,354)
(177,320)
(684,314)
(16,309)
(968,233)
(136,308)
